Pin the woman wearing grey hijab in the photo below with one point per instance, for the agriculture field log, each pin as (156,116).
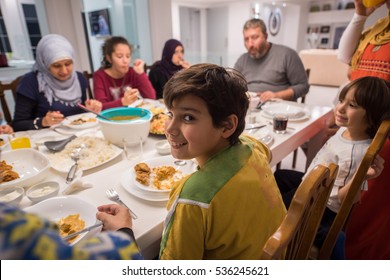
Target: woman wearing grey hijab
(52,90)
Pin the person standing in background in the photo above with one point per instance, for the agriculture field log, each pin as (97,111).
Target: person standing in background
(271,70)
(172,61)
(117,84)
(368,53)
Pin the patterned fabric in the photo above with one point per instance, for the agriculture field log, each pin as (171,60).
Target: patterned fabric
(29,237)
(225,210)
(375,61)
(377,35)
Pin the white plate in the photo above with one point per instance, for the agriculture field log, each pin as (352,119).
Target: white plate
(56,208)
(31,165)
(149,196)
(157,162)
(265,136)
(63,165)
(67,122)
(293,110)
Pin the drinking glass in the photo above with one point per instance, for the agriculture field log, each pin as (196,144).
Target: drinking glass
(280,123)
(19,141)
(133,148)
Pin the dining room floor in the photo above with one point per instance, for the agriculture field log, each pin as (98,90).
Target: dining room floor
(317,95)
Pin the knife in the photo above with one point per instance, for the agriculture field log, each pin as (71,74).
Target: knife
(81,231)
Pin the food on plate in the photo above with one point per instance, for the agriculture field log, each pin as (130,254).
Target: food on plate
(124,118)
(82,120)
(6,172)
(157,123)
(160,178)
(2,142)
(95,151)
(70,224)
(142,172)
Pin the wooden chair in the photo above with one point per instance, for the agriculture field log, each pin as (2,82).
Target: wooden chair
(298,229)
(89,77)
(340,221)
(4,87)
(147,68)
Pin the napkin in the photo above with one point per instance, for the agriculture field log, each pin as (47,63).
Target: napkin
(77,185)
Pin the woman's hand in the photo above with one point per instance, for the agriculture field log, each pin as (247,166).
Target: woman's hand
(52,118)
(130,96)
(6,129)
(94,105)
(114,217)
(185,64)
(138,66)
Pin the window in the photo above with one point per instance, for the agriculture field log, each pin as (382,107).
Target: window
(32,24)
(4,40)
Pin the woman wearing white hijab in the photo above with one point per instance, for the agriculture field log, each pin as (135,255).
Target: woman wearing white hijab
(52,90)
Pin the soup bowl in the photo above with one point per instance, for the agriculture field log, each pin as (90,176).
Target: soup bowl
(125,124)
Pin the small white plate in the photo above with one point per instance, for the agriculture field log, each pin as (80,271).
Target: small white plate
(56,208)
(67,122)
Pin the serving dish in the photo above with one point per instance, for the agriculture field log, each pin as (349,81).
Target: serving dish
(11,195)
(31,165)
(43,191)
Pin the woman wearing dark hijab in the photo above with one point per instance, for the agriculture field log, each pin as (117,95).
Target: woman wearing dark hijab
(172,60)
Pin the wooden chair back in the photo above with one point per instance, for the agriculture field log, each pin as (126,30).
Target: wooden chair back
(89,77)
(297,231)
(3,88)
(341,218)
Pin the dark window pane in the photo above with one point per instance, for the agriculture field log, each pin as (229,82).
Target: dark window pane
(33,28)
(34,40)
(29,11)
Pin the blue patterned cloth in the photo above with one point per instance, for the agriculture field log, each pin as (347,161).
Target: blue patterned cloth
(27,236)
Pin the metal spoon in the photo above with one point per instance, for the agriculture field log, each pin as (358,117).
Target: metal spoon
(97,114)
(75,155)
(57,146)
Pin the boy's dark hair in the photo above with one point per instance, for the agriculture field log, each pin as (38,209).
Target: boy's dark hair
(373,95)
(223,90)
(109,47)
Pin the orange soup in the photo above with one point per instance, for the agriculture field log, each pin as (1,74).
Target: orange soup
(124,118)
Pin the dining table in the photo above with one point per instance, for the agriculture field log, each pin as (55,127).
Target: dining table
(151,214)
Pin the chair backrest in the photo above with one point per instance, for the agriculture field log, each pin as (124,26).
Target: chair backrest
(346,206)
(298,229)
(4,87)
(147,68)
(89,77)
(303,98)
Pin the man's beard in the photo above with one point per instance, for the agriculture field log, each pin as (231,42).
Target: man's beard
(262,51)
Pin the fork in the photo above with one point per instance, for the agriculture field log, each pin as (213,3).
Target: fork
(114,196)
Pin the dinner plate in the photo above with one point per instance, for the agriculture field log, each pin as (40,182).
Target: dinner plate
(186,169)
(30,164)
(293,110)
(149,196)
(62,161)
(56,208)
(67,122)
